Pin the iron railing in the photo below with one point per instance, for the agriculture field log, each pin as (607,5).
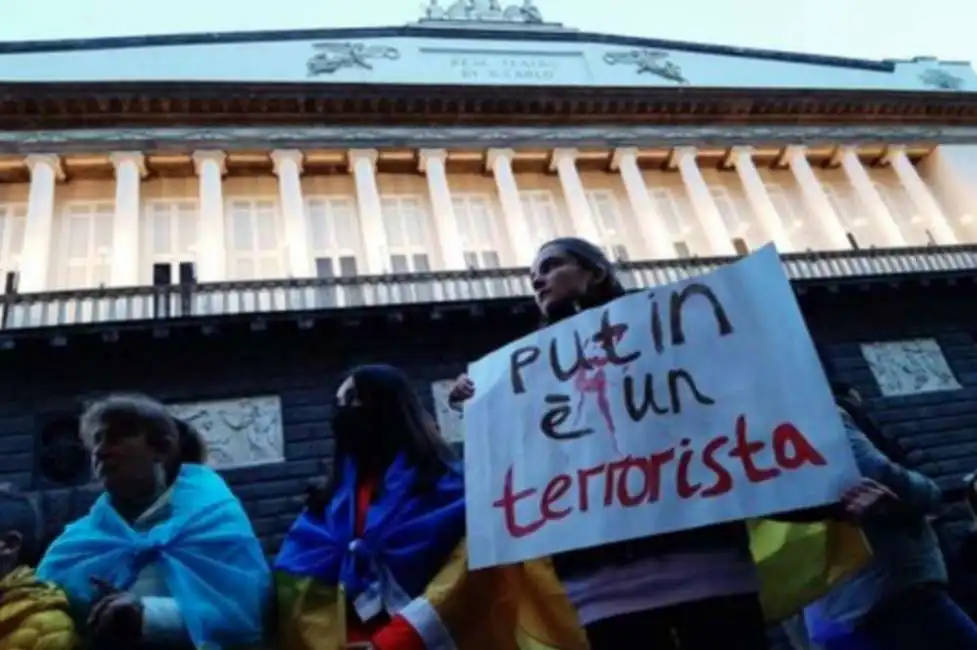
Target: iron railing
(90,306)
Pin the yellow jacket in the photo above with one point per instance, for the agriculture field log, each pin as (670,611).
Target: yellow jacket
(33,615)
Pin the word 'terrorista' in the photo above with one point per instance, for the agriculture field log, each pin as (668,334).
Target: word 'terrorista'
(565,494)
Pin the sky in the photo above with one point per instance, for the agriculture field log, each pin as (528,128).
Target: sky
(869,29)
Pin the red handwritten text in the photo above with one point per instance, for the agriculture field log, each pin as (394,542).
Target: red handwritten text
(634,481)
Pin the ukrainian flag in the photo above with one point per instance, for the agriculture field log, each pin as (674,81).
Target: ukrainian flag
(524,607)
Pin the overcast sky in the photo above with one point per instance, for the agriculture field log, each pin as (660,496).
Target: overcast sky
(874,29)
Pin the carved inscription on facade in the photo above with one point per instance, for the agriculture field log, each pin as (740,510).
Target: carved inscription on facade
(449,420)
(497,68)
(239,432)
(909,367)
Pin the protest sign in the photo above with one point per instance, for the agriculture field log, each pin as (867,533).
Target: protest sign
(672,408)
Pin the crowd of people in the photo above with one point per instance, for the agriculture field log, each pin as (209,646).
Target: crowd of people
(166,558)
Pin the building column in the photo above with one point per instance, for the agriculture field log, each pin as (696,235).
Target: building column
(815,198)
(288,168)
(35,258)
(653,227)
(920,195)
(212,248)
(500,162)
(431,162)
(564,162)
(363,166)
(130,169)
(756,194)
(717,234)
(869,196)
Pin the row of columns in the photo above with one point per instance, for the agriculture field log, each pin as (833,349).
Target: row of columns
(210,167)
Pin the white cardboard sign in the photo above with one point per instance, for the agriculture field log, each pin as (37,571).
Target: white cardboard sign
(671,408)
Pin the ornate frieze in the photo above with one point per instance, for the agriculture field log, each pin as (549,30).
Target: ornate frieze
(909,367)
(449,420)
(483,11)
(239,432)
(332,57)
(941,79)
(249,138)
(647,61)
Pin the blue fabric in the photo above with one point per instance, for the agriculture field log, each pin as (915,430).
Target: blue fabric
(918,619)
(408,536)
(206,550)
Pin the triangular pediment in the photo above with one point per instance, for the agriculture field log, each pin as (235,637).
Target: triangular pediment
(461,52)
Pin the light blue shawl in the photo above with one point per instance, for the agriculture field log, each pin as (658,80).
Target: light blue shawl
(207,553)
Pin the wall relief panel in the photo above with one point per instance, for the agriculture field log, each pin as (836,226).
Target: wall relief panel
(239,432)
(909,367)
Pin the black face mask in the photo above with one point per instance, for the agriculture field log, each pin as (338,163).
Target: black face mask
(357,432)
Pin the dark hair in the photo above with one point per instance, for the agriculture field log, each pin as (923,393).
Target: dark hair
(193,447)
(592,258)
(19,513)
(865,423)
(407,427)
(132,411)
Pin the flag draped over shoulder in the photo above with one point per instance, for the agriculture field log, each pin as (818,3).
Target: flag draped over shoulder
(408,561)
(208,555)
(524,606)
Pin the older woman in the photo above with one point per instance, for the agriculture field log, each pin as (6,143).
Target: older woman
(166,557)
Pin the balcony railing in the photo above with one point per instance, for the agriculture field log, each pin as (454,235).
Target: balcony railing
(89,306)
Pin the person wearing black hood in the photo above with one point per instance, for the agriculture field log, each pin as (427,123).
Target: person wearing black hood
(693,590)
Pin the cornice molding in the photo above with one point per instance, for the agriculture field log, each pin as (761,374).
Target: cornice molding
(311,137)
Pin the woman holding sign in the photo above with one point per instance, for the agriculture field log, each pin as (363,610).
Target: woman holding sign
(688,590)
(693,590)
(377,558)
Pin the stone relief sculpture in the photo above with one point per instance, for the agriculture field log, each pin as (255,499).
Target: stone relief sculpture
(484,11)
(941,80)
(331,57)
(244,431)
(909,367)
(648,61)
(448,419)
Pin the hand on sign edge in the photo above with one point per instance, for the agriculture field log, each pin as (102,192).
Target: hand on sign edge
(462,390)
(865,496)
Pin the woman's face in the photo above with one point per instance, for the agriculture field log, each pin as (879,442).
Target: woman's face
(558,277)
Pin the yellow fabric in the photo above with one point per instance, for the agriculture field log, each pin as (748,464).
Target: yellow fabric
(524,607)
(799,563)
(33,615)
(796,563)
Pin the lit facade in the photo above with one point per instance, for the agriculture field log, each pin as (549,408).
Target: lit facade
(227,221)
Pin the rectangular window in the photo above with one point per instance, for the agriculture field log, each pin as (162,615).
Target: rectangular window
(727,209)
(171,234)
(477,229)
(404,220)
(13,224)
(86,245)
(541,214)
(610,223)
(254,240)
(333,235)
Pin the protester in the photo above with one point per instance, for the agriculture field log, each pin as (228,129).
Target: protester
(899,601)
(34,615)
(166,558)
(694,590)
(389,527)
